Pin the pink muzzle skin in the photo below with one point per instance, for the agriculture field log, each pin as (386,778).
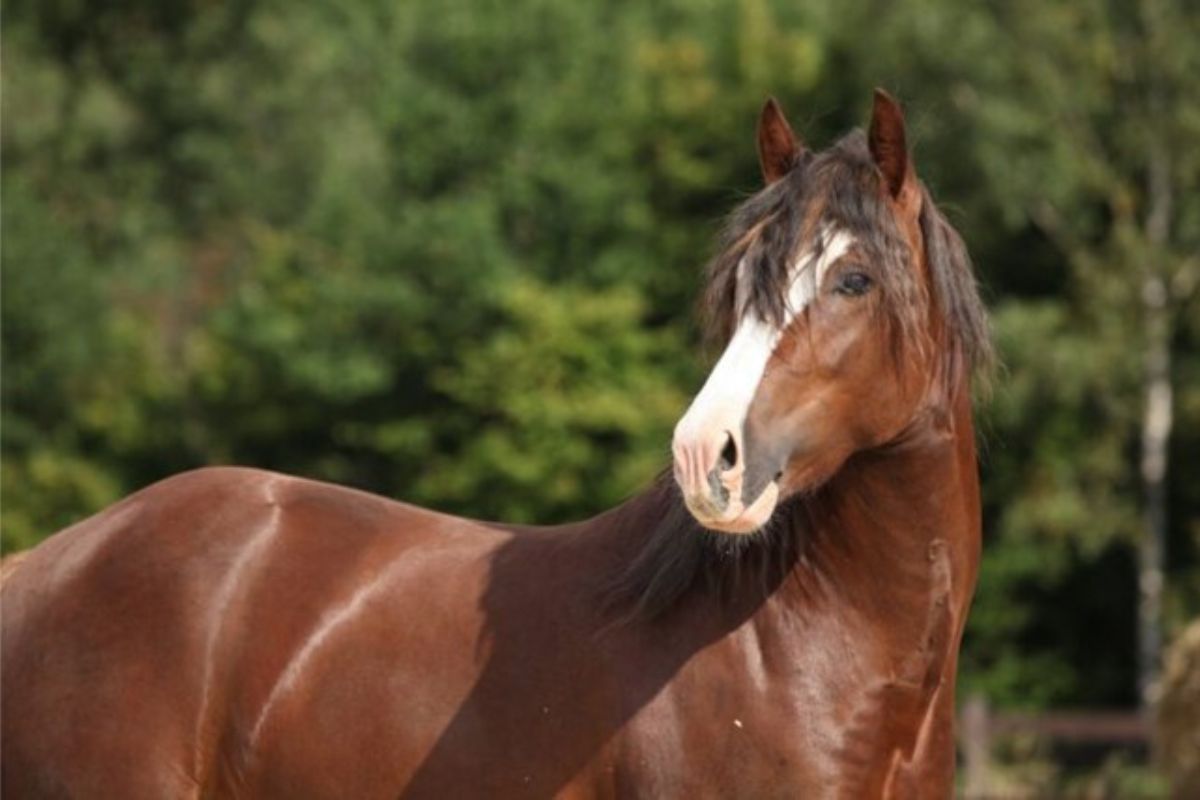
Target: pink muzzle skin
(712,487)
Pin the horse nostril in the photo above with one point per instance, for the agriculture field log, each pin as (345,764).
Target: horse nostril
(729,454)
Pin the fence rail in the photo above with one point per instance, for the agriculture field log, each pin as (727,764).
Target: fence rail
(979,726)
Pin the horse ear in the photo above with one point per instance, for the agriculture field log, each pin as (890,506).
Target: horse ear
(887,143)
(778,147)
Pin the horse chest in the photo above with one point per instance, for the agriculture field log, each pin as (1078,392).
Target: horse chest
(742,720)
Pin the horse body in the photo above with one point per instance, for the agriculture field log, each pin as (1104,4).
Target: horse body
(232,632)
(304,640)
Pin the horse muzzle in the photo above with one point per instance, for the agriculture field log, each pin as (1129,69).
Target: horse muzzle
(711,477)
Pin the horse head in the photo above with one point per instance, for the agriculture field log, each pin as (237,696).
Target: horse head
(847,312)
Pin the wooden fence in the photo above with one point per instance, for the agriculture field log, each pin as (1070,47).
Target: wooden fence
(979,727)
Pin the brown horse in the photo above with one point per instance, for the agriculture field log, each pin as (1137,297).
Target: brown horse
(230,632)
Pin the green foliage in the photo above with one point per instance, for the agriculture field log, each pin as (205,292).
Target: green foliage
(447,251)
(572,398)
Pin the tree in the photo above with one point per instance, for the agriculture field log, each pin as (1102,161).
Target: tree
(1112,80)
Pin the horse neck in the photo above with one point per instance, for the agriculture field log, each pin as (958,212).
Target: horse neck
(896,529)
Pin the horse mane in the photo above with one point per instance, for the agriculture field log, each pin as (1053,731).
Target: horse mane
(681,555)
(964,318)
(839,187)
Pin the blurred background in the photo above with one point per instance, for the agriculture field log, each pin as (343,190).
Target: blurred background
(448,250)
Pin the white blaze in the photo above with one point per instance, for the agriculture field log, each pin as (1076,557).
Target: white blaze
(722,404)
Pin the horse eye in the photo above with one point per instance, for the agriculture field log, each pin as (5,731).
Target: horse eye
(853,284)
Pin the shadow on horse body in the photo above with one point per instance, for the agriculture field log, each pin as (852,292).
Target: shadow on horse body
(779,618)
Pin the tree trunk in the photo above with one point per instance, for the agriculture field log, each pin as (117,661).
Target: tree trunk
(1156,433)
(1156,414)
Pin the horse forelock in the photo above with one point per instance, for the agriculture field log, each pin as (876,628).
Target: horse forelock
(839,191)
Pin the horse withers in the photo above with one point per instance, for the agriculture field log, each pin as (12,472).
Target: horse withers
(781,618)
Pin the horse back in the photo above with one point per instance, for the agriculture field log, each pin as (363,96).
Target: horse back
(151,649)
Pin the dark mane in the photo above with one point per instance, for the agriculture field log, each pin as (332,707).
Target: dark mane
(956,293)
(839,187)
(680,555)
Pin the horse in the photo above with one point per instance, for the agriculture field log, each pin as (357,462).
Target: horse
(777,615)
